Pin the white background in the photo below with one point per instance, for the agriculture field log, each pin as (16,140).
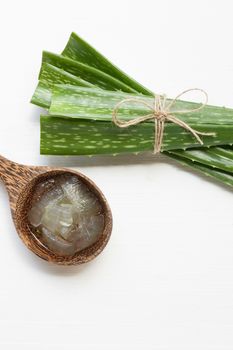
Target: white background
(165,280)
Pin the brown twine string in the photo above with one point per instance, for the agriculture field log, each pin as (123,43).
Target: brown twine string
(161,113)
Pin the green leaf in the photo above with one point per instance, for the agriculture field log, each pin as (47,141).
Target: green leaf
(225,151)
(80,51)
(208,157)
(91,103)
(53,75)
(83,71)
(86,137)
(111,78)
(221,176)
(49,76)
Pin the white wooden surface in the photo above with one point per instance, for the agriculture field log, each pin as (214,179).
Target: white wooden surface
(165,280)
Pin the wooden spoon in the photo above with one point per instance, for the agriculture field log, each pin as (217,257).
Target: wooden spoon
(20,181)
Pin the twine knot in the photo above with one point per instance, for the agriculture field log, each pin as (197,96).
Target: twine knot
(161,112)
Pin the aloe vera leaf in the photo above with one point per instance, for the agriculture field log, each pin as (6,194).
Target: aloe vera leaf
(222,176)
(83,71)
(224,151)
(54,75)
(81,102)
(76,46)
(79,50)
(42,95)
(207,157)
(86,137)
(50,75)
(82,136)
(212,148)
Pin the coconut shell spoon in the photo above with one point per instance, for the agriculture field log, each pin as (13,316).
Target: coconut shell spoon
(21,182)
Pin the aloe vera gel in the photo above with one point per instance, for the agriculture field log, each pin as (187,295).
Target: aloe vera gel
(66,215)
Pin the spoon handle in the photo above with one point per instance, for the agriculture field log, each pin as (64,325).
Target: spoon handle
(14,175)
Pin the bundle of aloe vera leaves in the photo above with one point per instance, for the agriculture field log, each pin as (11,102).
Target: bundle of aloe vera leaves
(80,89)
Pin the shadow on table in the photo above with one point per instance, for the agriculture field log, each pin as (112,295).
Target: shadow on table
(102,160)
(146,158)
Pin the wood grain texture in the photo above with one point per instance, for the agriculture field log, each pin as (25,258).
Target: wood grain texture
(20,182)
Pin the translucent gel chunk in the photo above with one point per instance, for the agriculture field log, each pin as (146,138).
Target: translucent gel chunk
(68,217)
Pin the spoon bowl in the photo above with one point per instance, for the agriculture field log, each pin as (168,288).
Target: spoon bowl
(21,181)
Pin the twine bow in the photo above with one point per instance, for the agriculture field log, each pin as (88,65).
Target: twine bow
(162,112)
